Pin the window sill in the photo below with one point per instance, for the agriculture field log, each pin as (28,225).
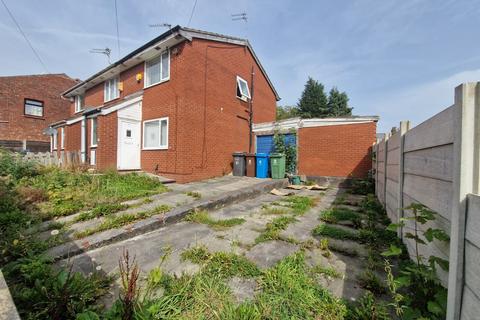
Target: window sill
(94,146)
(79,111)
(106,101)
(34,117)
(156,84)
(158,148)
(244,99)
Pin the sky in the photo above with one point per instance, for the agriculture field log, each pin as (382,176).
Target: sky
(398,59)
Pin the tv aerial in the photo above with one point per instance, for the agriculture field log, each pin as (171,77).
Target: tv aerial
(239,16)
(107,51)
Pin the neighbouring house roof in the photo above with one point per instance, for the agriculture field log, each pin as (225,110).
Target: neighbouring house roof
(169,38)
(296,123)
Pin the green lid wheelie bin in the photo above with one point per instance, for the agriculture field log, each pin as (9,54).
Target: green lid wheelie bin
(277,165)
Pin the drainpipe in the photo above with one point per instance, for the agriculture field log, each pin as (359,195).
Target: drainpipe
(83,141)
(250,119)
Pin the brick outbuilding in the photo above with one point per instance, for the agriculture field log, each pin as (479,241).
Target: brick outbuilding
(28,105)
(178,106)
(328,147)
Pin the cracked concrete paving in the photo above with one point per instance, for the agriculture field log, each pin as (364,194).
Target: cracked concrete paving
(173,239)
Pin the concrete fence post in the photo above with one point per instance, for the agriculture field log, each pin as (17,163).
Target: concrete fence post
(404,127)
(465,181)
(385,158)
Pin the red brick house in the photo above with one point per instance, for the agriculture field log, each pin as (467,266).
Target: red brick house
(178,106)
(327,147)
(28,105)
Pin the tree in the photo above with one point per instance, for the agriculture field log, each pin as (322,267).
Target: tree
(286,112)
(338,103)
(313,102)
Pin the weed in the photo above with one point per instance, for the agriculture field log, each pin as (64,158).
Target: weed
(335,215)
(274,211)
(272,230)
(367,309)
(328,271)
(339,199)
(300,204)
(147,200)
(202,216)
(370,281)
(194,194)
(103,209)
(335,232)
(129,273)
(324,247)
(112,222)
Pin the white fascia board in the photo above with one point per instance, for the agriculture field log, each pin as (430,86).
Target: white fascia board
(121,105)
(297,123)
(74,120)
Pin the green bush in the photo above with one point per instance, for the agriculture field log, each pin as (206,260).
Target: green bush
(15,167)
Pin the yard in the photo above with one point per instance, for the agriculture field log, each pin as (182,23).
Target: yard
(311,255)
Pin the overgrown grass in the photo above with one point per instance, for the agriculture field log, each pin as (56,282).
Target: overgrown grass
(202,216)
(330,231)
(370,281)
(221,264)
(113,222)
(300,204)
(194,194)
(286,292)
(268,210)
(272,230)
(328,271)
(335,215)
(67,192)
(103,209)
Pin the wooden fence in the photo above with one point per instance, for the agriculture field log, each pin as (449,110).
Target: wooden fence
(437,164)
(62,159)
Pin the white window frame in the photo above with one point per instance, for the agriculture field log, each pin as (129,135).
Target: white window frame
(78,103)
(160,147)
(91,132)
(106,97)
(145,80)
(36,104)
(62,138)
(244,95)
(55,140)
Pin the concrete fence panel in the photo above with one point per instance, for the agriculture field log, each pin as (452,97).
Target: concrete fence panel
(437,164)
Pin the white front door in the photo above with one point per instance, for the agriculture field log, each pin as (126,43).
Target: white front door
(128,156)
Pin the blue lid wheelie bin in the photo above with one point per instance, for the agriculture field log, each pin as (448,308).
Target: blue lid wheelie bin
(262,165)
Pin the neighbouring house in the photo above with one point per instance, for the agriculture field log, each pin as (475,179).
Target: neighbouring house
(28,105)
(178,106)
(327,147)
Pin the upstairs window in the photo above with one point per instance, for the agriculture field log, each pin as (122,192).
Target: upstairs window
(111,91)
(94,138)
(158,69)
(33,108)
(242,89)
(78,103)
(55,140)
(155,134)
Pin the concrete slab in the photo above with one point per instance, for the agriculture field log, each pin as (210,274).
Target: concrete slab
(267,254)
(242,289)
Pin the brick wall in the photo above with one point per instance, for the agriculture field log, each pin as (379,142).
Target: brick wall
(14,124)
(336,151)
(207,122)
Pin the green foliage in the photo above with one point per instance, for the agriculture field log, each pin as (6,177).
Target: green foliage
(335,215)
(71,191)
(328,271)
(287,292)
(286,112)
(363,186)
(14,167)
(338,103)
(330,231)
(274,211)
(272,230)
(103,209)
(194,194)
(202,216)
(368,309)
(289,151)
(370,281)
(313,102)
(40,292)
(300,204)
(427,297)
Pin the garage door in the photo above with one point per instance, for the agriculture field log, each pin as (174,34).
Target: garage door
(265,143)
